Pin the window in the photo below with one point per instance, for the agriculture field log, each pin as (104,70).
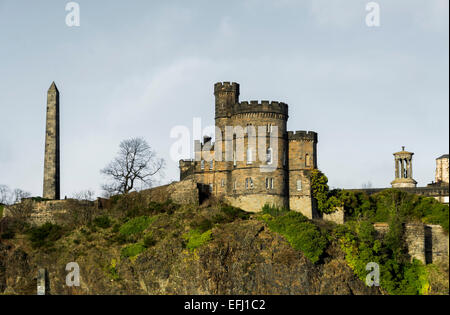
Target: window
(269,156)
(249,156)
(284,157)
(211,164)
(299,185)
(234,158)
(269,128)
(210,188)
(248,183)
(222,183)
(235,185)
(269,183)
(307,160)
(202,164)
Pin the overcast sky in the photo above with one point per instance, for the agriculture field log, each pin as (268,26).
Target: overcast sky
(139,68)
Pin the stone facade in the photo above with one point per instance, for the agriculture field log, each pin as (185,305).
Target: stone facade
(337,216)
(52,158)
(442,170)
(183,192)
(254,160)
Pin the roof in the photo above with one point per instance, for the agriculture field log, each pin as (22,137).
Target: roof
(445,156)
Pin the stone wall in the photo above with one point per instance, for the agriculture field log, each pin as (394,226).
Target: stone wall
(337,216)
(40,212)
(255,203)
(426,242)
(183,192)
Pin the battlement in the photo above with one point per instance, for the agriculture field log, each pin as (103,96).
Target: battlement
(226,87)
(302,135)
(261,107)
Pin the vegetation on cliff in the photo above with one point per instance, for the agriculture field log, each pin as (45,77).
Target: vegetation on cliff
(136,246)
(378,207)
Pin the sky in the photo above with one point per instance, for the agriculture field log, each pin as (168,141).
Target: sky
(140,68)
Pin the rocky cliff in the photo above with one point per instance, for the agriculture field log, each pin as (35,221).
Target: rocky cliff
(239,256)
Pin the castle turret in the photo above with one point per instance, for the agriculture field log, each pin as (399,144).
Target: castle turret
(227,94)
(302,159)
(51,160)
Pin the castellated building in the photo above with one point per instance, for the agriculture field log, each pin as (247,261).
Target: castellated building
(254,160)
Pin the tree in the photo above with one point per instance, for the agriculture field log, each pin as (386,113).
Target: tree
(8,197)
(327,200)
(136,163)
(19,195)
(5,195)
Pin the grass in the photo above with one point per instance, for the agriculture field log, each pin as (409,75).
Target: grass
(195,238)
(136,225)
(302,234)
(132,250)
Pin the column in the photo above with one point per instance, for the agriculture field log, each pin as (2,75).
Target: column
(402,168)
(396,168)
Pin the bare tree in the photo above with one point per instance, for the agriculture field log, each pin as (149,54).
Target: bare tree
(85,195)
(5,195)
(8,197)
(136,163)
(19,194)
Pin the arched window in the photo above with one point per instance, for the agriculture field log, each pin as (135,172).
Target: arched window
(202,164)
(307,160)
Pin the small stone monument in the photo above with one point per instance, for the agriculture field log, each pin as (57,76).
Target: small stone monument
(41,281)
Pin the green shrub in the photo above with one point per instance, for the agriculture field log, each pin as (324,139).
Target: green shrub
(327,200)
(103,222)
(195,238)
(273,210)
(397,274)
(233,213)
(204,224)
(136,225)
(1,211)
(300,233)
(132,250)
(45,235)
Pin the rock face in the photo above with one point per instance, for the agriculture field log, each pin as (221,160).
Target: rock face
(243,257)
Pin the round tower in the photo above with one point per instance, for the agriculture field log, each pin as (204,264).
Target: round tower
(259,167)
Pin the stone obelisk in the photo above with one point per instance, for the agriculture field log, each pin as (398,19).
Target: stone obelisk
(51,160)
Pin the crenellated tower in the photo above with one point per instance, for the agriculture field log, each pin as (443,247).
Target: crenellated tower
(256,160)
(302,160)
